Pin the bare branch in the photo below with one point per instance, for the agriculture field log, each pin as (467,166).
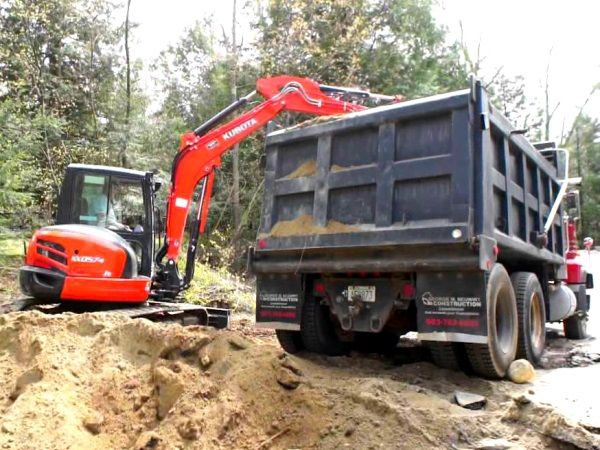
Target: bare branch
(580,113)
(496,74)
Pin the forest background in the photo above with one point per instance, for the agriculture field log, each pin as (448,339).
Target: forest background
(71,91)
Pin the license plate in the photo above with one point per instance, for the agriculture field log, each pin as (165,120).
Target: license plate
(363,293)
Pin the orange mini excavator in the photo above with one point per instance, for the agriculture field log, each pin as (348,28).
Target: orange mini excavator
(100,255)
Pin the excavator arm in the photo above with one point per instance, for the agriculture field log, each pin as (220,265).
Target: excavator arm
(200,154)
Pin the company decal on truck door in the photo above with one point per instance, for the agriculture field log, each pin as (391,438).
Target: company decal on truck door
(452,307)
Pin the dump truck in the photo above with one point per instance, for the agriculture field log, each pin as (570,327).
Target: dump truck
(433,215)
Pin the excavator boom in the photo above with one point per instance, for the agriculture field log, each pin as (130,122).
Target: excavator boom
(200,154)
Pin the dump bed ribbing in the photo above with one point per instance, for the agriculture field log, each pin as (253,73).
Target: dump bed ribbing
(414,184)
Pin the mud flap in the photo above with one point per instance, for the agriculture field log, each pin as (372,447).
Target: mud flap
(452,307)
(279,301)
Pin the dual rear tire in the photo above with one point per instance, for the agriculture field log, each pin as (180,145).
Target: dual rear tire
(516,319)
(317,333)
(531,311)
(491,360)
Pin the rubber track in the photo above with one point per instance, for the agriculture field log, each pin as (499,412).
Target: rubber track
(185,313)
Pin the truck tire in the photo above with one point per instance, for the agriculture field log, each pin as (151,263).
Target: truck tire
(318,330)
(575,327)
(290,341)
(491,360)
(531,311)
(445,354)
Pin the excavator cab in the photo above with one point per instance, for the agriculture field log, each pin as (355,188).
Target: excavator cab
(102,246)
(120,200)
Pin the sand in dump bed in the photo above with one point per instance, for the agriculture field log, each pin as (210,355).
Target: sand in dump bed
(308,169)
(109,382)
(315,121)
(305,225)
(336,168)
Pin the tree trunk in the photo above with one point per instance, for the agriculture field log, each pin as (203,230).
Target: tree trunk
(124,159)
(235,197)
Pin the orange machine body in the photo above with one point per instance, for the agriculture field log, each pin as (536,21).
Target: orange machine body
(82,262)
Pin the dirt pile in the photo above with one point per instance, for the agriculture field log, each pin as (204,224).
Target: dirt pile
(99,381)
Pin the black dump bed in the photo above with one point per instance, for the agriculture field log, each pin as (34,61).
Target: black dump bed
(412,185)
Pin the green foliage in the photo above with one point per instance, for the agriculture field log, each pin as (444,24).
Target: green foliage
(584,147)
(390,46)
(11,249)
(60,92)
(510,97)
(218,287)
(11,258)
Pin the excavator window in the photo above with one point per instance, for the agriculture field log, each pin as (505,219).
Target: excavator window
(126,205)
(110,202)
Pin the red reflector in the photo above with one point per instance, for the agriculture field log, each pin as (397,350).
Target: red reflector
(320,288)
(262,244)
(408,291)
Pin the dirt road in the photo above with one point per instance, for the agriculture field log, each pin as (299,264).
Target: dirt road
(572,388)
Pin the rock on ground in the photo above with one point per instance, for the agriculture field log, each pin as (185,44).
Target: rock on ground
(521,371)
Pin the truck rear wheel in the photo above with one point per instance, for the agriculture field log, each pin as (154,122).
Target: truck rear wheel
(318,329)
(575,327)
(445,354)
(290,341)
(531,311)
(491,360)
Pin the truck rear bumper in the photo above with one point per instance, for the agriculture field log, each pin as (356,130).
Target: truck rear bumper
(366,259)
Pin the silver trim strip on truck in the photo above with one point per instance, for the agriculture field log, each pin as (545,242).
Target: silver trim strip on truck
(278,325)
(444,336)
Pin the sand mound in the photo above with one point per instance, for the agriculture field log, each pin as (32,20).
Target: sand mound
(93,381)
(96,381)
